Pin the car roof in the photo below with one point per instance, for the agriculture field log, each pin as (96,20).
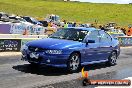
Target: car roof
(83,28)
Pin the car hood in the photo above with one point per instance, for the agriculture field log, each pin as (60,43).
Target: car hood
(50,43)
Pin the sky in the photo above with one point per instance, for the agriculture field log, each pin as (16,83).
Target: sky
(107,1)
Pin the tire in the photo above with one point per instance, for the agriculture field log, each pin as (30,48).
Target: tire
(73,64)
(112,59)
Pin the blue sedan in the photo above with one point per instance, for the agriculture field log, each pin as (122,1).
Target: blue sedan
(72,48)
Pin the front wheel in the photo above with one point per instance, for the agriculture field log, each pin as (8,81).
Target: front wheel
(73,64)
(112,58)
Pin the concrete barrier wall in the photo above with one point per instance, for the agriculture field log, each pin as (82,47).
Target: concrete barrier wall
(10,44)
(14,44)
(21,36)
(125,40)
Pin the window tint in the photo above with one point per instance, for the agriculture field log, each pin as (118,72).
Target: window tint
(105,38)
(94,35)
(70,34)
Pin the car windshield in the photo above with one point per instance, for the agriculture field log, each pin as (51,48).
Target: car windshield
(70,34)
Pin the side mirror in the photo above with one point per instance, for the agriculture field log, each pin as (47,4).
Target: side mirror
(90,41)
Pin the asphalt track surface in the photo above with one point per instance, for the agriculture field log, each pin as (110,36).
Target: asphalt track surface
(15,73)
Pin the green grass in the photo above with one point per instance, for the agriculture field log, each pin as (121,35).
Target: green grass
(71,11)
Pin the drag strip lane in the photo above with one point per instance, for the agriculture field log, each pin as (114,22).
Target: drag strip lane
(15,73)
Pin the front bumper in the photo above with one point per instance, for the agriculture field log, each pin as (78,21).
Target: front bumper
(46,59)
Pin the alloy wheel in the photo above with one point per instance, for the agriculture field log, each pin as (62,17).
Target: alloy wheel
(74,62)
(112,58)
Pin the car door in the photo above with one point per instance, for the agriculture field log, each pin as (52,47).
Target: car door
(92,49)
(105,45)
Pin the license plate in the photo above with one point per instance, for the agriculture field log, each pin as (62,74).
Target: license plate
(34,55)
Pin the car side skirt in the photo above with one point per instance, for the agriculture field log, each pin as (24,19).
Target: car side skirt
(94,62)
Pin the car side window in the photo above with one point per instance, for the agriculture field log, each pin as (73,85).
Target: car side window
(105,38)
(93,35)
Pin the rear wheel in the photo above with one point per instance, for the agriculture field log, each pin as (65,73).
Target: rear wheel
(112,58)
(73,64)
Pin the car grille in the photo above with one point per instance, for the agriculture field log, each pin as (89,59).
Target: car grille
(35,49)
(34,59)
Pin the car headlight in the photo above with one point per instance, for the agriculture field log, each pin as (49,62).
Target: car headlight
(24,47)
(53,51)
